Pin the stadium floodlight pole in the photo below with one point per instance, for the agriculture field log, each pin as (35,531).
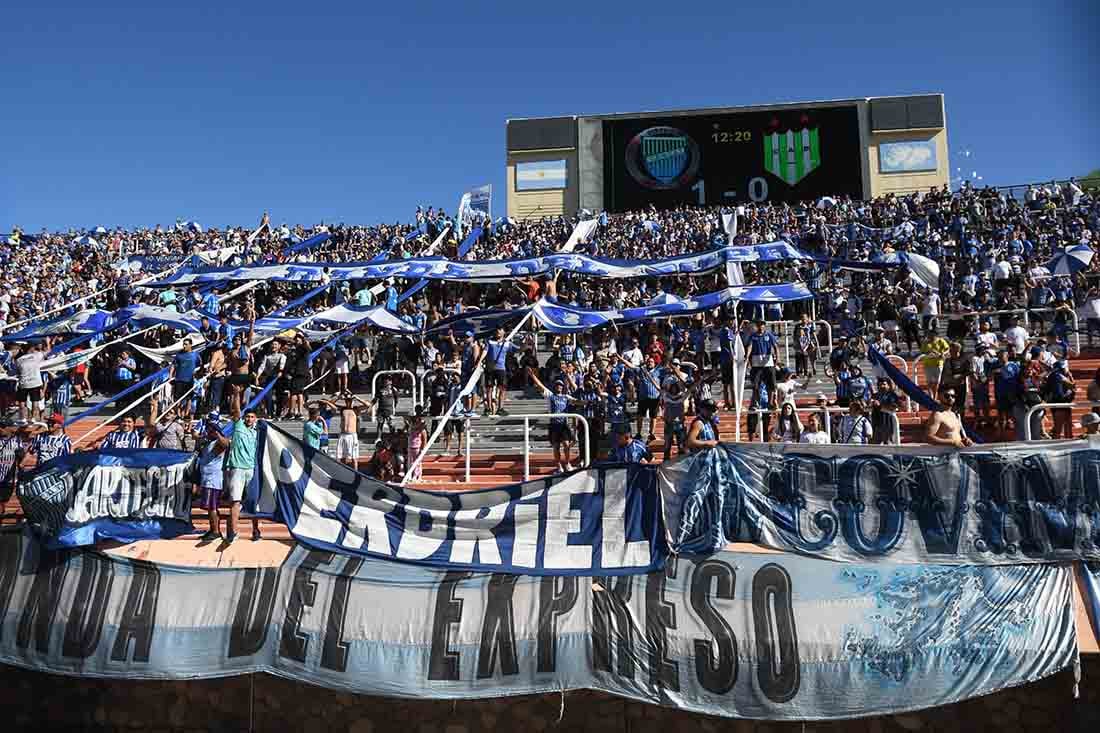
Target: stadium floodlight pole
(78,301)
(466,389)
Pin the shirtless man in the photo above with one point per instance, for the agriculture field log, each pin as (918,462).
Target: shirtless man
(347,444)
(945,427)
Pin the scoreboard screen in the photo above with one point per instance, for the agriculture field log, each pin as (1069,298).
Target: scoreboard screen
(730,158)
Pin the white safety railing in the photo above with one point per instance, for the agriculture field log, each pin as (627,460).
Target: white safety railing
(468,419)
(412,382)
(429,373)
(1043,406)
(904,369)
(918,370)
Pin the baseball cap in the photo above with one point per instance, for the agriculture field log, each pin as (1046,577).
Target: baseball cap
(1090,418)
(676,362)
(57,417)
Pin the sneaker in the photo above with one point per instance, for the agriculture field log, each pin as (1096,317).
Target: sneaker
(230,537)
(210,536)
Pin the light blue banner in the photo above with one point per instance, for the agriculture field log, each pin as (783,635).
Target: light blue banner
(777,637)
(992,505)
(111,494)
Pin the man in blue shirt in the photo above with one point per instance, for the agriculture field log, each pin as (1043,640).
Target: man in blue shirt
(628,449)
(391,296)
(182,374)
(762,355)
(496,375)
(211,304)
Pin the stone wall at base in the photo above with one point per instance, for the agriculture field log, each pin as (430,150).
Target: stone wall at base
(43,702)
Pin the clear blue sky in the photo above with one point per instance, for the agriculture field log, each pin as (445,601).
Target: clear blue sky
(134,114)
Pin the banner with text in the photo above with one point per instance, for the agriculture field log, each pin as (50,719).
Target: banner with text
(1003,504)
(596,521)
(746,635)
(116,494)
(439,268)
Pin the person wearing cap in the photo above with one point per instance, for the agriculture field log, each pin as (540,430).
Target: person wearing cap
(1090,421)
(628,449)
(841,354)
(1060,388)
(561,435)
(703,432)
(52,442)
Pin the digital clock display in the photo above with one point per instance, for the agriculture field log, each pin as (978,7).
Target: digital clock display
(730,158)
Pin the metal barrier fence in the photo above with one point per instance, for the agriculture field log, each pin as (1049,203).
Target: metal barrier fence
(412,383)
(468,419)
(1043,406)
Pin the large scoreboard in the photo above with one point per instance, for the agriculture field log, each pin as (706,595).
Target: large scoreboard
(733,157)
(724,156)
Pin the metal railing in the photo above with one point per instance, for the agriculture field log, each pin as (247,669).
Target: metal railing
(412,382)
(1043,406)
(431,372)
(468,419)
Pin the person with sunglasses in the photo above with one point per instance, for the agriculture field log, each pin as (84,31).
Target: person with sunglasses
(945,426)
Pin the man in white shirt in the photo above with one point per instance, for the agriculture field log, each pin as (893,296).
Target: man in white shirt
(986,337)
(29,389)
(1017,335)
(931,310)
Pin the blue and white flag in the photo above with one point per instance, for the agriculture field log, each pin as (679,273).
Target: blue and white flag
(110,494)
(438,268)
(89,320)
(774,637)
(347,314)
(989,505)
(603,521)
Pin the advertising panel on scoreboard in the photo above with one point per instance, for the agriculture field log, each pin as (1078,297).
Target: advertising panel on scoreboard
(732,157)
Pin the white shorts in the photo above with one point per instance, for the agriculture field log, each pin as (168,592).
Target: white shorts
(239,479)
(347,446)
(342,367)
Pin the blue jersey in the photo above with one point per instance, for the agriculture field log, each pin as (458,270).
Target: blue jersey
(632,452)
(616,408)
(557,403)
(650,390)
(498,353)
